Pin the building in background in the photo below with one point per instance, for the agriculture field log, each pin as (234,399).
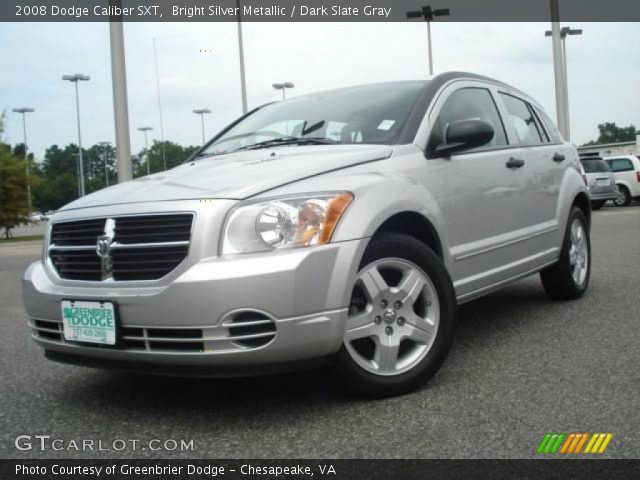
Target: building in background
(613,149)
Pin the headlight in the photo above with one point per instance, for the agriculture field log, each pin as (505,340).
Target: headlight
(284,223)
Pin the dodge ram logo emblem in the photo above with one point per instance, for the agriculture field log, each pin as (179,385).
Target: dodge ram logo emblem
(102,247)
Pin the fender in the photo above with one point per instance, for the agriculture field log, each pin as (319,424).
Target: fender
(379,195)
(571,186)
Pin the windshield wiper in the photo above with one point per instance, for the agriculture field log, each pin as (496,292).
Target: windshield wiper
(288,141)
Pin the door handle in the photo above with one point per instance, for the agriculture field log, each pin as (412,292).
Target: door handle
(558,157)
(514,162)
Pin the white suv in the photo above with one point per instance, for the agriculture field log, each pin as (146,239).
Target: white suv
(626,169)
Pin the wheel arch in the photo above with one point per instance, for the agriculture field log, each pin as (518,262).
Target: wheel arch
(415,225)
(582,201)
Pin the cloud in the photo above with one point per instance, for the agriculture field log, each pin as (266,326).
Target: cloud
(604,70)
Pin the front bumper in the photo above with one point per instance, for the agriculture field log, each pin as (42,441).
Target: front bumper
(303,292)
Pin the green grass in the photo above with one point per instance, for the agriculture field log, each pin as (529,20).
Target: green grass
(22,239)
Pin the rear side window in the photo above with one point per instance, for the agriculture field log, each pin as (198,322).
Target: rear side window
(595,166)
(521,116)
(466,104)
(549,126)
(620,164)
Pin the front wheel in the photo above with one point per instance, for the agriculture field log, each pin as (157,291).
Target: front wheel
(401,319)
(569,277)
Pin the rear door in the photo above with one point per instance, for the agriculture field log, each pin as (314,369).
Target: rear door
(625,173)
(546,158)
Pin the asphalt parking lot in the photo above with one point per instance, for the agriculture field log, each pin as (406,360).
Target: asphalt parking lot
(522,365)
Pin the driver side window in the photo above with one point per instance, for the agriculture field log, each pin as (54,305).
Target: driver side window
(467,104)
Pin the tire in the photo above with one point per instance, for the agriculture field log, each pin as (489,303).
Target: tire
(569,277)
(624,197)
(597,204)
(395,348)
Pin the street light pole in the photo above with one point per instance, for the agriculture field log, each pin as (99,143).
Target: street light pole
(23,111)
(146,146)
(429,15)
(243,82)
(283,86)
(120,108)
(155,56)
(104,158)
(563,32)
(202,112)
(75,79)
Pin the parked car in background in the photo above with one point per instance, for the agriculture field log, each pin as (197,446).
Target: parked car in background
(600,180)
(626,169)
(36,217)
(344,227)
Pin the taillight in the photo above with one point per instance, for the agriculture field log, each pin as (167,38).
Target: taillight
(638,176)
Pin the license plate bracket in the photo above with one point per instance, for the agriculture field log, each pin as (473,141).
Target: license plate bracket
(88,321)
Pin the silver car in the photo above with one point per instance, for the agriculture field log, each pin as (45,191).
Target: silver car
(340,228)
(600,181)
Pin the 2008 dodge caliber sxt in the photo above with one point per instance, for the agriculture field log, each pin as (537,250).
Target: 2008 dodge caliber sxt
(345,226)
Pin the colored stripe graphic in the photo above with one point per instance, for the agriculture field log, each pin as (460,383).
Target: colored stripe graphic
(550,443)
(573,443)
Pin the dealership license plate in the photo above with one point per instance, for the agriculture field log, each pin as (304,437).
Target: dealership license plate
(93,322)
(603,182)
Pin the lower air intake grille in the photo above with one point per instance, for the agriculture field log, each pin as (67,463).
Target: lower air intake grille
(251,329)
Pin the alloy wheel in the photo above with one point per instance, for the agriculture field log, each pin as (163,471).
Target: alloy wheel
(393,317)
(578,252)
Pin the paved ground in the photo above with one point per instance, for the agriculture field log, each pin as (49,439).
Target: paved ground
(29,230)
(521,366)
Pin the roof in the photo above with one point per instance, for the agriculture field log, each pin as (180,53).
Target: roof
(603,145)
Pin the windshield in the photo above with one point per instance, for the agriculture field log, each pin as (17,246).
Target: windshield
(595,166)
(365,114)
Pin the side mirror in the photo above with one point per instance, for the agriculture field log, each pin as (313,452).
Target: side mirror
(464,135)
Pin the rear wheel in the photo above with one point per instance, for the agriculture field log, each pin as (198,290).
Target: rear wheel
(624,197)
(597,204)
(569,277)
(401,319)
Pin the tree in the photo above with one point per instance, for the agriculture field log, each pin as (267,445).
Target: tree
(14,206)
(611,133)
(175,154)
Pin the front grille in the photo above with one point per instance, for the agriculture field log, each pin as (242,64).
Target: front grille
(145,247)
(146,264)
(157,228)
(83,232)
(77,264)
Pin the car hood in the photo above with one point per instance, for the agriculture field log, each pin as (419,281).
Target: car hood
(236,175)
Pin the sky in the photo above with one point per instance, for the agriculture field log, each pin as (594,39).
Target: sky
(198,68)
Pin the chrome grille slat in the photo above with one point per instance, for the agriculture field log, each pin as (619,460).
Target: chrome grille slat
(139,248)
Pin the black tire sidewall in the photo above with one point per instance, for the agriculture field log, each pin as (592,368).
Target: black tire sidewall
(627,196)
(566,247)
(391,245)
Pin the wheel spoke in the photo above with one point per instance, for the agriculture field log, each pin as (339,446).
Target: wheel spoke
(360,326)
(410,287)
(422,329)
(573,256)
(373,283)
(386,356)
